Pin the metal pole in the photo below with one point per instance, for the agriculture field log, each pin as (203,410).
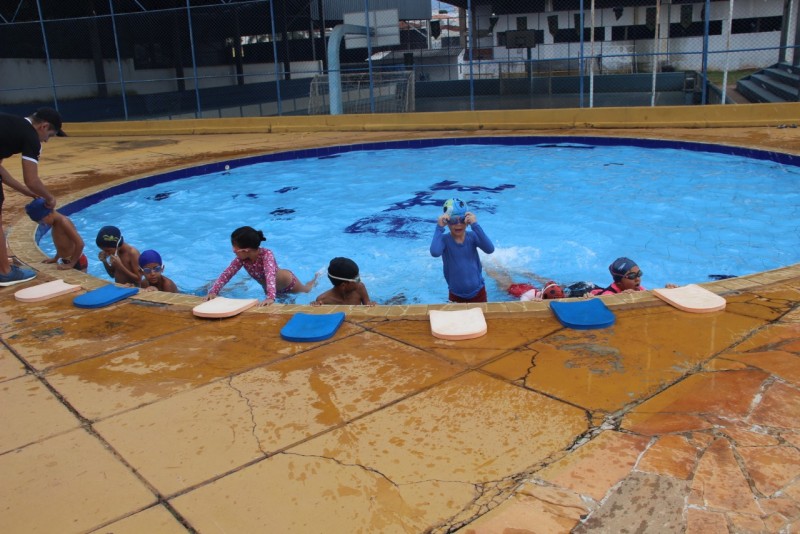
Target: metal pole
(470,21)
(119,59)
(592,59)
(656,49)
(580,59)
(727,54)
(369,57)
(706,18)
(198,112)
(275,57)
(47,56)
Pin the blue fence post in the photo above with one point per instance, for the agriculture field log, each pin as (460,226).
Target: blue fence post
(47,55)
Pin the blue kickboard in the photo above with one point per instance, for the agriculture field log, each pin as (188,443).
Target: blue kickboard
(583,314)
(104,296)
(312,327)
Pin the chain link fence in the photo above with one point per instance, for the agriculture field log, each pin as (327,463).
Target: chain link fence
(140,59)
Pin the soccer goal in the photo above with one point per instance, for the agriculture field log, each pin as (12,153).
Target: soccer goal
(393,92)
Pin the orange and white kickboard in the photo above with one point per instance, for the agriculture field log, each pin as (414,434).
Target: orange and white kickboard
(691,298)
(458,324)
(222,307)
(45,291)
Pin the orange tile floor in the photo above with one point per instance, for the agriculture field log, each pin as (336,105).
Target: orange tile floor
(140,417)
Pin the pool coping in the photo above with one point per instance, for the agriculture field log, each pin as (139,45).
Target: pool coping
(22,241)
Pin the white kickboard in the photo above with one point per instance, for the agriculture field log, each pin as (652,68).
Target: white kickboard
(45,291)
(458,324)
(221,307)
(691,298)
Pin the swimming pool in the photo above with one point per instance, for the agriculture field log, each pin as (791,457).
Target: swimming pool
(560,207)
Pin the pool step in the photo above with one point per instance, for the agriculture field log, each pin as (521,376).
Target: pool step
(779,83)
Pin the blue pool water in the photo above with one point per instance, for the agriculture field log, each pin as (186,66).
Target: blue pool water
(562,208)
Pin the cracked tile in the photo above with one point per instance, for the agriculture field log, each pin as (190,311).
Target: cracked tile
(156,520)
(10,366)
(211,430)
(719,483)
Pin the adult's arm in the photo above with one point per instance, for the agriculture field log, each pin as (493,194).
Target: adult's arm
(30,175)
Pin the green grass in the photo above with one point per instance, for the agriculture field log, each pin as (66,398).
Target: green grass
(715,76)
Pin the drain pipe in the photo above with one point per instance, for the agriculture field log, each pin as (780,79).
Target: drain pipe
(334,65)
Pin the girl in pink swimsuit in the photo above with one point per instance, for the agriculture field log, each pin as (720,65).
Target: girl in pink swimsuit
(259,263)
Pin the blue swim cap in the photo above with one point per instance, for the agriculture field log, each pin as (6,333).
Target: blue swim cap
(37,211)
(455,207)
(620,267)
(149,256)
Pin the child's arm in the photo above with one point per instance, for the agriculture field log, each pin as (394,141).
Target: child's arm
(129,267)
(105,259)
(169,285)
(437,243)
(270,272)
(482,240)
(224,278)
(323,298)
(362,291)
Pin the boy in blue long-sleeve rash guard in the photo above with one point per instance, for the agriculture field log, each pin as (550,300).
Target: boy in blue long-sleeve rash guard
(459,251)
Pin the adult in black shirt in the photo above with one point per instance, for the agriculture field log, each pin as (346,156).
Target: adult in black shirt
(24,136)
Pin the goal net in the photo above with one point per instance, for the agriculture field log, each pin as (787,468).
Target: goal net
(393,92)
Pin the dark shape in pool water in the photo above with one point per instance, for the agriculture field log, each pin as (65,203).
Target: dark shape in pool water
(609,164)
(721,276)
(281,211)
(252,195)
(160,196)
(330,157)
(286,189)
(403,227)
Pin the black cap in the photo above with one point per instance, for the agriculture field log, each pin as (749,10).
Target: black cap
(53,117)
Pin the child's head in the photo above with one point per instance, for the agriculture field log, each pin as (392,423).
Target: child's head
(342,270)
(625,273)
(109,238)
(151,265)
(37,211)
(247,237)
(456,210)
(551,290)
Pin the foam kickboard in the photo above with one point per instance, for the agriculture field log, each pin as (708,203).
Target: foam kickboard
(458,324)
(312,327)
(104,296)
(583,314)
(691,298)
(221,307)
(45,291)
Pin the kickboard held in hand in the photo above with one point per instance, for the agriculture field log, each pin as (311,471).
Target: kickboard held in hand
(458,324)
(583,315)
(312,327)
(222,307)
(691,298)
(104,296)
(45,291)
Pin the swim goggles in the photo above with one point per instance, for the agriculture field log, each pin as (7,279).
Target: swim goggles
(356,279)
(456,220)
(151,270)
(633,276)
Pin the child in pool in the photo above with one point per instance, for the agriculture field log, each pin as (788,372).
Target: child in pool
(627,278)
(68,242)
(120,260)
(525,291)
(459,252)
(347,285)
(259,263)
(152,269)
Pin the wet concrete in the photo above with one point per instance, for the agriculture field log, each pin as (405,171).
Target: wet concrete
(140,417)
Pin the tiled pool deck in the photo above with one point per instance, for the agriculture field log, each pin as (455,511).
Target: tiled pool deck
(140,418)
